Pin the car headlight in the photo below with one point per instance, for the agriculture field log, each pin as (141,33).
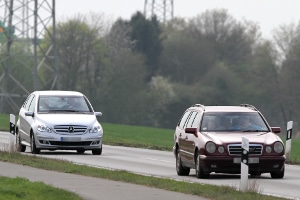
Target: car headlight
(96,129)
(278,147)
(43,128)
(210,147)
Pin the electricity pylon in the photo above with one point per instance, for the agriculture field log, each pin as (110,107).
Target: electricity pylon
(23,23)
(162,9)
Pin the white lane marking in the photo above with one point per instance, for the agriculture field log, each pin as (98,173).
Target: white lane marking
(153,159)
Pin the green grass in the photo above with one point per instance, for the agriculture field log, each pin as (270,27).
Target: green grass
(20,188)
(135,136)
(203,190)
(295,152)
(4,122)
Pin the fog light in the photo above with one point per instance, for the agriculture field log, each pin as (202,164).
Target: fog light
(96,142)
(44,142)
(221,149)
(268,149)
(276,166)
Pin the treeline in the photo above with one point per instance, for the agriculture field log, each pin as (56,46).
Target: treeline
(143,72)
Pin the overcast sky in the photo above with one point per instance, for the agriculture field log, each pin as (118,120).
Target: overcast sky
(269,14)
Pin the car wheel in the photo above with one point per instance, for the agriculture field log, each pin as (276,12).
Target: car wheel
(20,147)
(80,151)
(34,150)
(181,170)
(97,151)
(278,174)
(199,170)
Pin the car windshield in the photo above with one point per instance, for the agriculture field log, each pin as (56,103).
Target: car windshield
(246,122)
(63,104)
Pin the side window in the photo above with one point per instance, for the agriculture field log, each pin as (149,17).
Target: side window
(24,104)
(196,121)
(32,104)
(183,119)
(191,119)
(27,102)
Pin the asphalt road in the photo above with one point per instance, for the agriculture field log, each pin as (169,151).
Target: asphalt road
(162,164)
(88,188)
(91,188)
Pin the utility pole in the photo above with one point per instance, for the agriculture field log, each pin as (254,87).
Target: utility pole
(23,24)
(162,9)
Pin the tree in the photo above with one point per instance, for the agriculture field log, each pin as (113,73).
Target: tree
(121,100)
(232,40)
(290,70)
(81,54)
(124,79)
(15,61)
(159,95)
(264,83)
(219,86)
(146,34)
(185,58)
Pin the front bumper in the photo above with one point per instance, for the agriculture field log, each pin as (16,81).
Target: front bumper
(174,151)
(52,141)
(258,164)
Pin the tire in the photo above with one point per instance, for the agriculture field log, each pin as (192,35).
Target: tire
(80,151)
(19,147)
(255,174)
(181,170)
(34,150)
(97,151)
(278,175)
(199,170)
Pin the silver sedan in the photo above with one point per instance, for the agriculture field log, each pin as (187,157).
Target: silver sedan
(53,120)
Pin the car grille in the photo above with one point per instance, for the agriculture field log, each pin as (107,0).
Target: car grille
(87,143)
(70,129)
(236,149)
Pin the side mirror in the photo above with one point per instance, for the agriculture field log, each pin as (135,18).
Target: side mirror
(193,131)
(29,113)
(98,114)
(276,129)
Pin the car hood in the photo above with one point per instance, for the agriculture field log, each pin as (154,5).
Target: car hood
(67,119)
(229,137)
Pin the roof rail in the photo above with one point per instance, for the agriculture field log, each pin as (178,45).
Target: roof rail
(249,106)
(198,105)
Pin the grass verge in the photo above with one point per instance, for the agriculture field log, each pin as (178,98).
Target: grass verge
(20,188)
(203,190)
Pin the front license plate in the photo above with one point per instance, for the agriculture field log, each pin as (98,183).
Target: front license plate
(250,160)
(70,139)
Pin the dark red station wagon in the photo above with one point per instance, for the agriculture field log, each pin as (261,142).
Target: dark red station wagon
(208,139)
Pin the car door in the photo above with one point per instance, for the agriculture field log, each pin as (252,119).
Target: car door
(190,139)
(26,121)
(24,109)
(182,135)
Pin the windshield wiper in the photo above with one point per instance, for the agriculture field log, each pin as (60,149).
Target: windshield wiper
(252,130)
(63,110)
